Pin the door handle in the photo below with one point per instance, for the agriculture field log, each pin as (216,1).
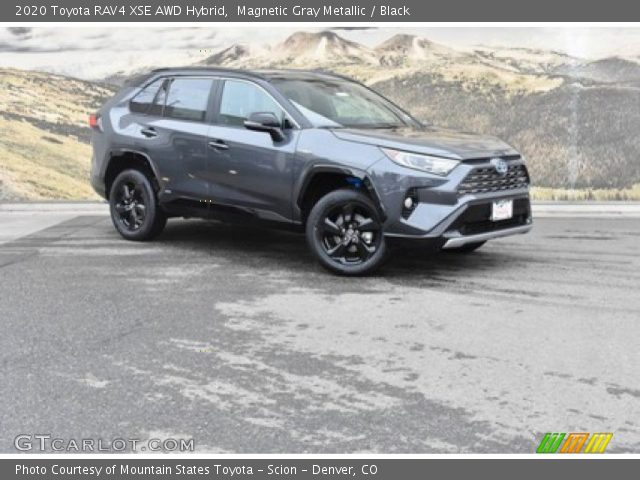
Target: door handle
(149,132)
(218,145)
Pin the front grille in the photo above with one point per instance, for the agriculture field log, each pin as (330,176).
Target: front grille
(488,180)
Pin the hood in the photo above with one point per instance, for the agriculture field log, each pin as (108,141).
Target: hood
(430,141)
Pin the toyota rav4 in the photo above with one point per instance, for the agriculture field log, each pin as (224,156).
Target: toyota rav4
(314,151)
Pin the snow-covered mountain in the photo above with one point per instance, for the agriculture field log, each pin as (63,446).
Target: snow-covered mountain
(404,49)
(527,60)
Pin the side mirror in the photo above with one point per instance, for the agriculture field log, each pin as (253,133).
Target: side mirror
(265,122)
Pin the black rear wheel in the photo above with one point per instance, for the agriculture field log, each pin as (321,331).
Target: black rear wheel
(344,232)
(134,208)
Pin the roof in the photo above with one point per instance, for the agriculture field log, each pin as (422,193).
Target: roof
(264,74)
(205,69)
(300,74)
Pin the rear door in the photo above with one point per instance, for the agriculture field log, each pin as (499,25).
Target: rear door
(248,169)
(174,133)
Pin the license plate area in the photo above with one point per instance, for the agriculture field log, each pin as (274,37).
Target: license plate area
(501,210)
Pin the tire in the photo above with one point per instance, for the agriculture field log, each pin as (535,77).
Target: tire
(468,248)
(135,212)
(344,232)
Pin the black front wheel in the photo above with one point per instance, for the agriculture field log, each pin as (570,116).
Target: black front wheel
(344,232)
(134,208)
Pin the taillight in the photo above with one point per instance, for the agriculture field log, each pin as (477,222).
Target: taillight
(94,121)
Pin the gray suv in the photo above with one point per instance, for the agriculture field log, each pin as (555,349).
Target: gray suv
(311,151)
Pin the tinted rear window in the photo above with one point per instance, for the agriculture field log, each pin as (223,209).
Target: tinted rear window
(188,98)
(141,102)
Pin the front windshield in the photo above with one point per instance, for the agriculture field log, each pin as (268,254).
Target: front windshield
(339,103)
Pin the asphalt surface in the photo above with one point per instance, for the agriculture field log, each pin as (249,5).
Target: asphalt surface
(234,337)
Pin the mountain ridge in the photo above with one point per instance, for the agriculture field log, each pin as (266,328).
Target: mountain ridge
(575,120)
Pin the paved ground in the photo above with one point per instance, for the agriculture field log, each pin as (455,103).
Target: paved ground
(234,337)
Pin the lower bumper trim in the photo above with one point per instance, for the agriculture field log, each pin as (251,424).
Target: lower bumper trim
(458,240)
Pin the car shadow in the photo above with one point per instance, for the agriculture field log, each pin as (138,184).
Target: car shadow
(244,243)
(414,262)
(254,246)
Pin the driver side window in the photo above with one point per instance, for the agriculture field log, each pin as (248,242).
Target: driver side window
(241,99)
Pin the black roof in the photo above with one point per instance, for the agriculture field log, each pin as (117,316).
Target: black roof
(204,69)
(264,74)
(300,74)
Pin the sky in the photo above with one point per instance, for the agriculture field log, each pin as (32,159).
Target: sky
(94,53)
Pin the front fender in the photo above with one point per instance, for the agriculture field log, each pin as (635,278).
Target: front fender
(312,170)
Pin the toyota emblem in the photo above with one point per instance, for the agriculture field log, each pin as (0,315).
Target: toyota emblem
(500,165)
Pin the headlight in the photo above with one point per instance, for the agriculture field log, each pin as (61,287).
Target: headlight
(425,163)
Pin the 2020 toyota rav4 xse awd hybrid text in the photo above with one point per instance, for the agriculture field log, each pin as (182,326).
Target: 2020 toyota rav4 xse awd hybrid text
(309,150)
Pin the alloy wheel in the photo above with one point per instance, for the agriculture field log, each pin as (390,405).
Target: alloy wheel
(349,234)
(130,205)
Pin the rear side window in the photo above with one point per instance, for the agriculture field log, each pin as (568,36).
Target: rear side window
(143,100)
(188,98)
(157,108)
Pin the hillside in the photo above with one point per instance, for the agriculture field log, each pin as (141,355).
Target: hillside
(528,60)
(599,150)
(45,138)
(605,70)
(576,121)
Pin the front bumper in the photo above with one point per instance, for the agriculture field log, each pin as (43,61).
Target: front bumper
(470,221)
(455,239)
(456,209)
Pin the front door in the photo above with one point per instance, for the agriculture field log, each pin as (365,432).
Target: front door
(248,169)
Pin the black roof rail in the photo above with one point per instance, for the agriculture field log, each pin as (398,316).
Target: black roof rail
(263,74)
(206,68)
(294,71)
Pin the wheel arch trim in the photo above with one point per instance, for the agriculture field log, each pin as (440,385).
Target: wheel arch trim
(306,179)
(118,152)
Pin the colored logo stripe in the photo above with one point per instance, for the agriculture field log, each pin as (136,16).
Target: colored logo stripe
(573,442)
(598,442)
(550,443)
